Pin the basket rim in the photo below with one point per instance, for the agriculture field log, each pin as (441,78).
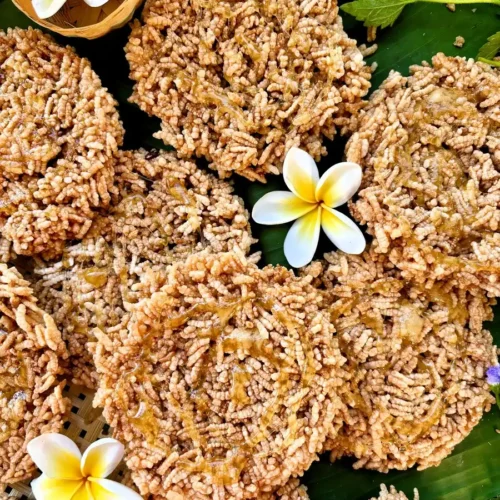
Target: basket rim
(122,14)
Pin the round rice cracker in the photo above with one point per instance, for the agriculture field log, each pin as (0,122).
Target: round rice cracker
(165,209)
(59,132)
(416,363)
(224,382)
(31,401)
(240,82)
(429,145)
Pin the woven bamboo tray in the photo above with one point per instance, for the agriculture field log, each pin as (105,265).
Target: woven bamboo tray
(85,425)
(77,19)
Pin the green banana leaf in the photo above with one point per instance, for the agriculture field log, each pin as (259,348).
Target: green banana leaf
(473,471)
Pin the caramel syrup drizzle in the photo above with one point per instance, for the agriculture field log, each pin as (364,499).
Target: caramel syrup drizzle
(410,327)
(226,470)
(10,385)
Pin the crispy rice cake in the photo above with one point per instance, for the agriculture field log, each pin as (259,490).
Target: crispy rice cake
(224,382)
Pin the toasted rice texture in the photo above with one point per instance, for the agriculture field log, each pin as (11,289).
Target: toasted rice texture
(165,210)
(59,131)
(31,401)
(292,490)
(241,82)
(417,361)
(223,384)
(429,146)
(393,494)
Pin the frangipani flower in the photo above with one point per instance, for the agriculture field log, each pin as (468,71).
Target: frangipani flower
(312,201)
(493,379)
(493,375)
(67,475)
(47,8)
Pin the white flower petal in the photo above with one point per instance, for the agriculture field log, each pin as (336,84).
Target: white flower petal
(56,455)
(339,184)
(47,8)
(302,239)
(279,207)
(301,174)
(46,488)
(342,231)
(95,3)
(101,458)
(104,489)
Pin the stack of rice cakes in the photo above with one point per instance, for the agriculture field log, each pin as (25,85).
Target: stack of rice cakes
(225,380)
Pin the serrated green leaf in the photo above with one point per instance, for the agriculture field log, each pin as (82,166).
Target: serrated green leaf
(489,61)
(380,13)
(383,13)
(491,48)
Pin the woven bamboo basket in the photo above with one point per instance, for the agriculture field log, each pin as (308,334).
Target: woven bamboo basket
(77,19)
(84,425)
